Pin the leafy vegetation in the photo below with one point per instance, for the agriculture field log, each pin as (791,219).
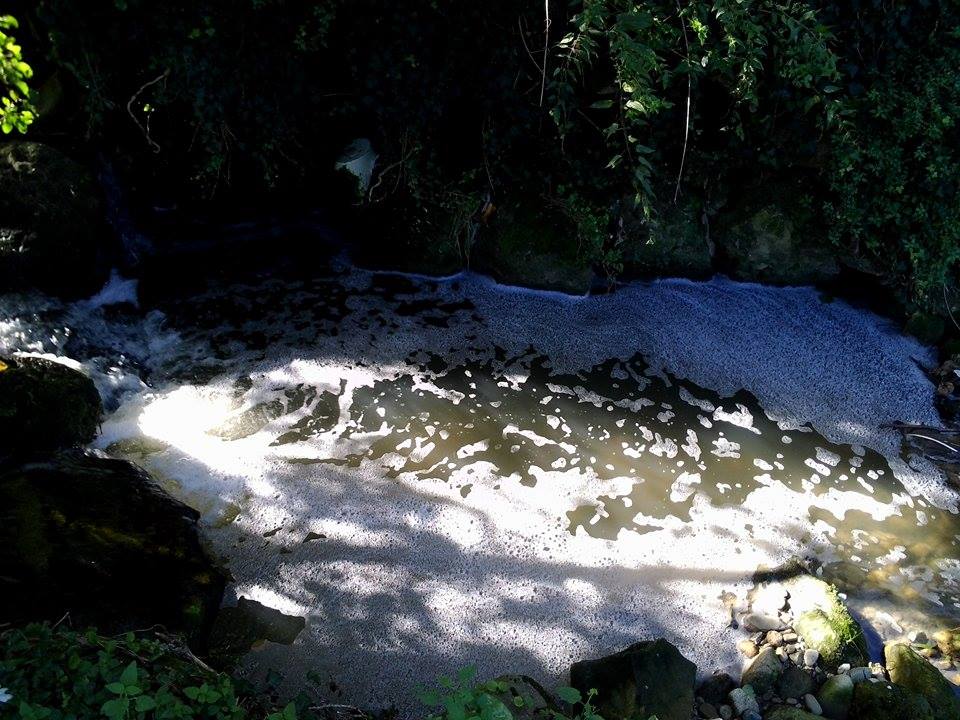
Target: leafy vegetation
(54,673)
(16,110)
(602,114)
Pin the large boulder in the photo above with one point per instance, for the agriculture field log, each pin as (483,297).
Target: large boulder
(886,701)
(647,679)
(99,539)
(672,244)
(771,243)
(45,405)
(913,672)
(52,222)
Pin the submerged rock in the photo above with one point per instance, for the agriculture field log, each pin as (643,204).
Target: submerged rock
(237,629)
(913,672)
(886,701)
(45,405)
(648,678)
(99,539)
(52,223)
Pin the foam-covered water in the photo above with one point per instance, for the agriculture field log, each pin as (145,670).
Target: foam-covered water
(443,472)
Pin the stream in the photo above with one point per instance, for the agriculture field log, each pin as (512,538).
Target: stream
(437,472)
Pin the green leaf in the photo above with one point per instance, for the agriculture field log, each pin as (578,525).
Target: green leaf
(129,675)
(569,695)
(466,674)
(116,708)
(145,703)
(115,687)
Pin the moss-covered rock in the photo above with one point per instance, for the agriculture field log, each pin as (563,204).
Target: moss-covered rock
(647,679)
(45,405)
(534,248)
(948,642)
(835,697)
(785,712)
(824,622)
(52,222)
(886,701)
(763,671)
(98,538)
(913,672)
(773,237)
(672,244)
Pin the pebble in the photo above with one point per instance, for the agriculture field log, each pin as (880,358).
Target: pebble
(747,647)
(918,637)
(743,699)
(726,712)
(843,669)
(810,657)
(812,705)
(860,674)
(774,638)
(790,637)
(708,711)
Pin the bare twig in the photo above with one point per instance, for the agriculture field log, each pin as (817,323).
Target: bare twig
(949,447)
(523,39)
(145,129)
(686,128)
(546,48)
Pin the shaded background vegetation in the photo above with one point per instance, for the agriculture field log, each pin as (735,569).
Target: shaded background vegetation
(577,132)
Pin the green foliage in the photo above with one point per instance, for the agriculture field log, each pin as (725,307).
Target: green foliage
(59,674)
(16,110)
(893,174)
(464,699)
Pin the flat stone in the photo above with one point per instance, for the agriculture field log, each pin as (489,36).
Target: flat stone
(810,657)
(764,623)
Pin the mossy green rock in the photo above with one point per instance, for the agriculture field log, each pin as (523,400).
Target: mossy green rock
(52,222)
(672,244)
(98,538)
(948,642)
(911,671)
(785,712)
(45,405)
(647,679)
(886,701)
(771,245)
(825,624)
(835,697)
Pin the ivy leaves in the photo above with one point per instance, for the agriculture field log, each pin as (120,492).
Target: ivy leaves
(16,110)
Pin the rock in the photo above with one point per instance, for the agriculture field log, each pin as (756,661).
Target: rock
(810,657)
(52,222)
(715,689)
(772,243)
(795,682)
(763,671)
(744,699)
(673,243)
(648,678)
(98,538)
(747,648)
(843,668)
(791,713)
(913,672)
(237,629)
(708,711)
(835,696)
(948,642)
(834,634)
(917,637)
(768,598)
(812,705)
(726,712)
(860,674)
(886,701)
(774,638)
(45,405)
(756,621)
